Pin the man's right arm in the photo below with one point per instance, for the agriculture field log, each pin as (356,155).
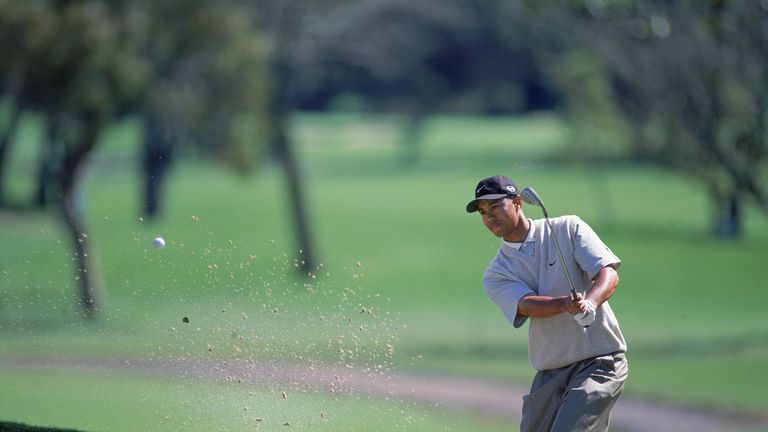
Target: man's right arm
(535,306)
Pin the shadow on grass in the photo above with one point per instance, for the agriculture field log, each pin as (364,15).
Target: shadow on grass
(18,427)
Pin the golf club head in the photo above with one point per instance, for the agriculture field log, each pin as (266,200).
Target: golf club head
(531,197)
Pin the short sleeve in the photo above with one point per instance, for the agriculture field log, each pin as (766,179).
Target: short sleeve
(506,294)
(590,252)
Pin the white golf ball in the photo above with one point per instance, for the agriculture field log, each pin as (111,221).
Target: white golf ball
(158,242)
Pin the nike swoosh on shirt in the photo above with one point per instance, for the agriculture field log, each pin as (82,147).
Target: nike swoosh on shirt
(552,263)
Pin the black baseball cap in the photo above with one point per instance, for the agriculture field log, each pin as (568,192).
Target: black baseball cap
(492,188)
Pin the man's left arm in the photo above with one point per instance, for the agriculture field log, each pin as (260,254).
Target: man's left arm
(604,285)
(597,260)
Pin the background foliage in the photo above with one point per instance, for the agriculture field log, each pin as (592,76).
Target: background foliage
(308,160)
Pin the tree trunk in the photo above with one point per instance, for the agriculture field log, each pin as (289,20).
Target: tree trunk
(72,212)
(728,220)
(285,154)
(158,151)
(48,163)
(13,84)
(74,224)
(5,143)
(411,142)
(282,149)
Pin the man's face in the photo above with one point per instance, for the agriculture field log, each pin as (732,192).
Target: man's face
(502,217)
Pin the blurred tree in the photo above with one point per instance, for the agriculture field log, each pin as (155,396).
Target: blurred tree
(685,81)
(421,57)
(70,63)
(11,77)
(207,85)
(194,73)
(8,125)
(460,54)
(282,22)
(690,80)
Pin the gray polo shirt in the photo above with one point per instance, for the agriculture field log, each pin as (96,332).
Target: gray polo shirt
(535,269)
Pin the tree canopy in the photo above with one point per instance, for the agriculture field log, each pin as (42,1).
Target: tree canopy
(81,64)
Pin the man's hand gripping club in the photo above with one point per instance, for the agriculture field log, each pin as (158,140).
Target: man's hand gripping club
(582,310)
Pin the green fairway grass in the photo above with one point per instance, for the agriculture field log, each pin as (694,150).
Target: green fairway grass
(399,285)
(89,402)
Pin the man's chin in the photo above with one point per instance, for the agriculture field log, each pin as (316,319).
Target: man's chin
(496,232)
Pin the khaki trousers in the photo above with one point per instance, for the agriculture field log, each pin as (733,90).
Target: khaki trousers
(578,397)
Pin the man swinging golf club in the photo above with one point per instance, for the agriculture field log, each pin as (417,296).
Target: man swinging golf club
(558,273)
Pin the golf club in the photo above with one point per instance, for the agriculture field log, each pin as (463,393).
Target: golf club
(531,197)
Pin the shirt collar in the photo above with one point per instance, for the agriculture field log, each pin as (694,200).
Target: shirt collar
(528,238)
(531,231)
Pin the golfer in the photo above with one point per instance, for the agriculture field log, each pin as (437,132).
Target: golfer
(575,344)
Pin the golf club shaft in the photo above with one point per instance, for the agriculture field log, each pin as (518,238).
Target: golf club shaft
(531,197)
(562,260)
